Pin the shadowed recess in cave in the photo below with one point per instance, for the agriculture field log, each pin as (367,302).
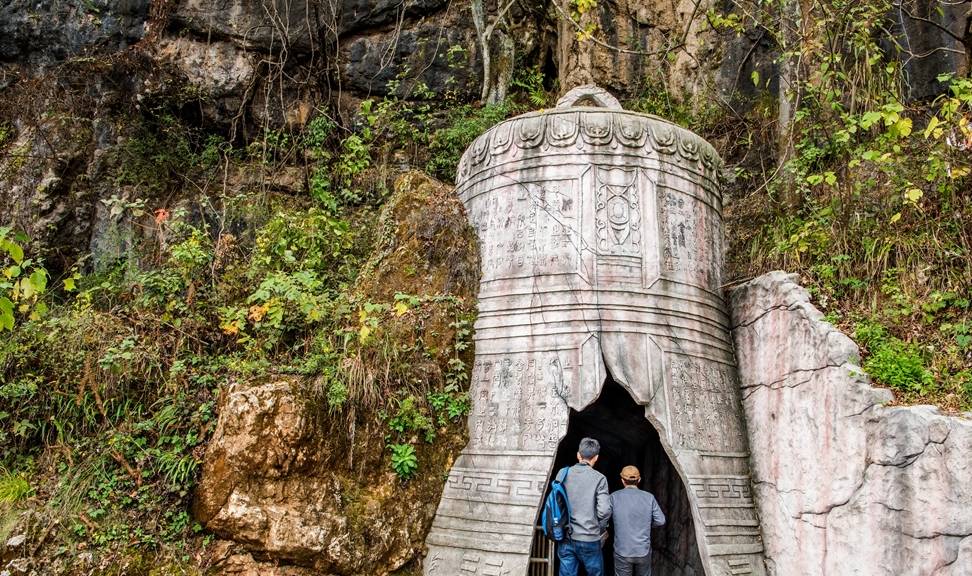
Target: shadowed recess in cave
(627,437)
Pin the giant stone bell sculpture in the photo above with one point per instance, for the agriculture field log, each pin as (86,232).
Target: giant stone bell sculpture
(601,239)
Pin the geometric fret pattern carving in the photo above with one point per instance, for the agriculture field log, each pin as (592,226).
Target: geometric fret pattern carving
(489,486)
(721,489)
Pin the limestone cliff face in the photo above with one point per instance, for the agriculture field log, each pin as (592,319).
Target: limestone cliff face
(845,484)
(40,34)
(664,42)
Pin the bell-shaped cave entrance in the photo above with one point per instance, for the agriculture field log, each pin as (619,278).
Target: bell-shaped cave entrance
(627,437)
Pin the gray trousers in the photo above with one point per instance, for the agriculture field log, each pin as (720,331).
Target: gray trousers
(624,566)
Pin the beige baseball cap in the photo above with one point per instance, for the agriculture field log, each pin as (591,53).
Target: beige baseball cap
(630,473)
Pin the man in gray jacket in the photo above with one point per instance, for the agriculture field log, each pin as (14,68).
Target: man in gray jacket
(635,513)
(590,511)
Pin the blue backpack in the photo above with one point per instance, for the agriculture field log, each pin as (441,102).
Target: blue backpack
(555,519)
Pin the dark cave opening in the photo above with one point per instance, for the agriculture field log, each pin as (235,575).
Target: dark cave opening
(627,437)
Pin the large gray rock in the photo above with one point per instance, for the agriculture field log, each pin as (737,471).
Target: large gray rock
(376,42)
(601,241)
(278,484)
(42,33)
(363,14)
(424,50)
(845,485)
(272,25)
(221,71)
(298,25)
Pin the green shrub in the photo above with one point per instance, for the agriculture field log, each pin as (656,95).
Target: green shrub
(410,417)
(466,123)
(965,377)
(450,403)
(531,81)
(655,99)
(154,157)
(892,362)
(23,282)
(304,240)
(317,134)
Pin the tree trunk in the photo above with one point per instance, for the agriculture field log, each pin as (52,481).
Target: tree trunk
(497,84)
(575,58)
(791,18)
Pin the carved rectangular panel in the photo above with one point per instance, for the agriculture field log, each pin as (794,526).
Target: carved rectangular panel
(691,245)
(618,216)
(625,230)
(528,228)
(704,405)
(519,399)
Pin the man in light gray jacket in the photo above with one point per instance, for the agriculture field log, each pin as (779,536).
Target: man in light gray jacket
(590,511)
(635,513)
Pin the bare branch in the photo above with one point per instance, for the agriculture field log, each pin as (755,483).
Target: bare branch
(499,18)
(903,10)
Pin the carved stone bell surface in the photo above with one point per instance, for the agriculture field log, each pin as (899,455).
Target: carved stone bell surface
(601,239)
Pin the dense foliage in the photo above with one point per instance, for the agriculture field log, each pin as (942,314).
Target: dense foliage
(871,193)
(110,374)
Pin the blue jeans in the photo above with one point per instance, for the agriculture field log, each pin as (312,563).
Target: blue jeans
(573,554)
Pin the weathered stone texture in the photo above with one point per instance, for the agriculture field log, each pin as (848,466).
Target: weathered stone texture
(265,25)
(930,35)
(634,42)
(845,484)
(418,51)
(221,71)
(376,42)
(41,33)
(276,482)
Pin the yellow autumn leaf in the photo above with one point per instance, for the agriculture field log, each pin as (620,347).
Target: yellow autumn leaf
(958,172)
(903,126)
(257,312)
(913,195)
(24,289)
(896,217)
(230,328)
(364,332)
(400,308)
